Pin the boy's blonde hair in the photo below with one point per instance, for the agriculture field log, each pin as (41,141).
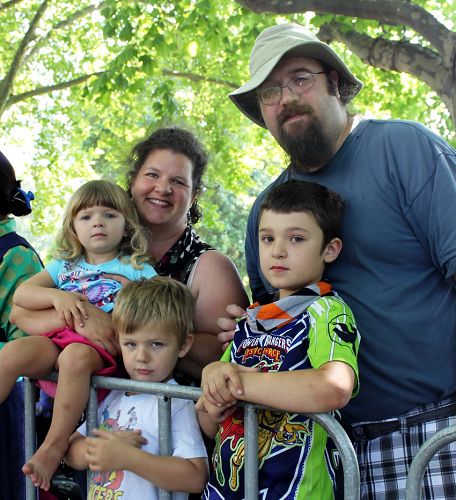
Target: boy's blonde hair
(160,302)
(106,194)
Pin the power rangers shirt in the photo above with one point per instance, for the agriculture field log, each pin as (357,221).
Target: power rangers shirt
(297,460)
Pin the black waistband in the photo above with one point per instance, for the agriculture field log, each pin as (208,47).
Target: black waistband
(373,430)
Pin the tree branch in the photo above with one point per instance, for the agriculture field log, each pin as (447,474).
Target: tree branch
(393,12)
(7,82)
(61,25)
(13,99)
(198,78)
(400,55)
(7,5)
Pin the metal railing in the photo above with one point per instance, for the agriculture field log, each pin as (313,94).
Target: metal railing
(421,460)
(165,393)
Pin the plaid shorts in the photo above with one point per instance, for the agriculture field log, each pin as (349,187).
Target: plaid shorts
(385,460)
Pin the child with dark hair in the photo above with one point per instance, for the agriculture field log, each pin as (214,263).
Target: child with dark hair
(297,355)
(18,261)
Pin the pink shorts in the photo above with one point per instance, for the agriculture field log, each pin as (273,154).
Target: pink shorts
(66,336)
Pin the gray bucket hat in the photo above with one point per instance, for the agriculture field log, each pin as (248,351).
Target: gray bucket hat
(270,46)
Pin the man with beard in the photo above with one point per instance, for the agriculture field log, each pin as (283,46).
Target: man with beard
(397,268)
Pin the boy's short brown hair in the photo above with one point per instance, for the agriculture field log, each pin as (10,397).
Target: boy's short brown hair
(159,302)
(326,206)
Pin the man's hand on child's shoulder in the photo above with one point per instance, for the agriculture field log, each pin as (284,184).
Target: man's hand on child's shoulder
(227,324)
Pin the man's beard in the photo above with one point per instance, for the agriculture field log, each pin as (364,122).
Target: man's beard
(308,146)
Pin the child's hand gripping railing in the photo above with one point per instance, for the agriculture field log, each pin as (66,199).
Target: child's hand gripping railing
(165,392)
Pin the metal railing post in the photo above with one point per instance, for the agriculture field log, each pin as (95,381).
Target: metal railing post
(29,432)
(347,453)
(164,434)
(91,423)
(251,452)
(422,459)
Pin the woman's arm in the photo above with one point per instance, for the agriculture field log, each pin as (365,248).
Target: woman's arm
(97,326)
(107,452)
(36,322)
(39,292)
(11,276)
(36,293)
(216,283)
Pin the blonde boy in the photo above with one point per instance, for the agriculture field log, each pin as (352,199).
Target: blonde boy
(153,321)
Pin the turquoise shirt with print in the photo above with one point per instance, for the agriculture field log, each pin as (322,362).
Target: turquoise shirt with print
(88,279)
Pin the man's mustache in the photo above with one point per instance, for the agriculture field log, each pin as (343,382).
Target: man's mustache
(290,111)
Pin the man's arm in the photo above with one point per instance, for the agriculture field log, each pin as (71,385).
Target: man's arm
(107,452)
(252,253)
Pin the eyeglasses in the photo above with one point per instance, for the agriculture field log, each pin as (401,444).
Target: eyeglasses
(297,85)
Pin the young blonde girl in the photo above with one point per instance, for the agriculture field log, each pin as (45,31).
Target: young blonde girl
(99,239)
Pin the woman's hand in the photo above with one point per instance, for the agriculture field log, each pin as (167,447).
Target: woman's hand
(99,329)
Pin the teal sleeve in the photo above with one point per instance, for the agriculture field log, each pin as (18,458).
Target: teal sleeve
(19,264)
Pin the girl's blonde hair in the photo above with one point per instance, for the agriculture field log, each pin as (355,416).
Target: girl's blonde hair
(105,194)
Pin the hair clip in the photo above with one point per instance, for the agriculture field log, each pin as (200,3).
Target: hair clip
(22,196)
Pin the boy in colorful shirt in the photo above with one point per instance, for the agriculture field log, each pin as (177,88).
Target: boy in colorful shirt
(297,355)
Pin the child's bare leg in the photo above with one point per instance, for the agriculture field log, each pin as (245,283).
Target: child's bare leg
(76,363)
(32,357)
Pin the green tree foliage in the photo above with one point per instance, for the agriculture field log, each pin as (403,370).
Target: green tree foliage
(83,80)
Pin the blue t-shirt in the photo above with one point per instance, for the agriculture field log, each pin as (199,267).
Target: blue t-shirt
(397,264)
(80,276)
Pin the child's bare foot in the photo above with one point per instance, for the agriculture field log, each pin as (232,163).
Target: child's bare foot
(41,467)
